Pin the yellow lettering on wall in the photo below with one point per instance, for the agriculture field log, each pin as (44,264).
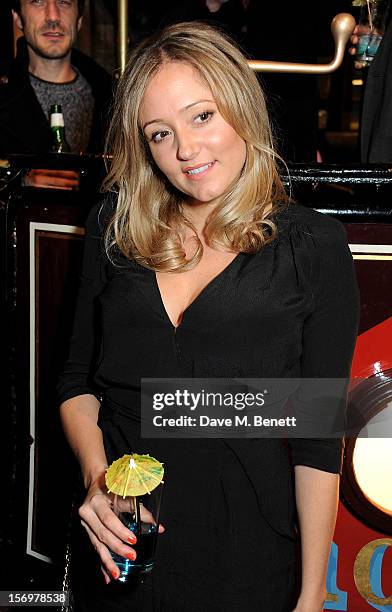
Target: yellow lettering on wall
(331,597)
(362,571)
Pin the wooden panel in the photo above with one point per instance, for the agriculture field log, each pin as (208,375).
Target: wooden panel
(371,245)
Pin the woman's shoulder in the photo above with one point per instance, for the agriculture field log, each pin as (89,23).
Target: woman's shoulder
(297,219)
(317,243)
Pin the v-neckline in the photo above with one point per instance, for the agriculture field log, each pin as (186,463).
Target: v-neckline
(201,293)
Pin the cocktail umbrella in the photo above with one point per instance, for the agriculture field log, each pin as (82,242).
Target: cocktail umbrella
(134,475)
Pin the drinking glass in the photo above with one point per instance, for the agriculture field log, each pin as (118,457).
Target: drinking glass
(146,533)
(371,30)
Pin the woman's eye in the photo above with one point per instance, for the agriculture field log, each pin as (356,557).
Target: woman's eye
(204,117)
(159,136)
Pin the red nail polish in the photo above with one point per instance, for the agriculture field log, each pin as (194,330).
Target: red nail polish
(131,556)
(115,574)
(132,539)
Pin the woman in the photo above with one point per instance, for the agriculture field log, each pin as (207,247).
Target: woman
(196,266)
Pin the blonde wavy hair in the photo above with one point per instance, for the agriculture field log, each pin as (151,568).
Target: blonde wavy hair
(148,221)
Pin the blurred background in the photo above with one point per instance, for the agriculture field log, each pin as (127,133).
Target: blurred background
(315,117)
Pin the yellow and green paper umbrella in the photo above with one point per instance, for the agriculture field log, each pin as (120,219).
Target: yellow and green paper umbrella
(134,475)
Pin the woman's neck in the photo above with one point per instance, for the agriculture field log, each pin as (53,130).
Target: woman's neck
(198,213)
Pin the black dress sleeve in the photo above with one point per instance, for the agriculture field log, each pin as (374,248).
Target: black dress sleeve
(330,331)
(77,375)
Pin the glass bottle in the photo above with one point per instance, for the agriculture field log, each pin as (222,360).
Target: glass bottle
(59,141)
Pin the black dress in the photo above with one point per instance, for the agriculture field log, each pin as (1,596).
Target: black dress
(291,310)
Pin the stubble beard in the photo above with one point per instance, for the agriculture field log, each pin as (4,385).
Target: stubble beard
(55,54)
(44,53)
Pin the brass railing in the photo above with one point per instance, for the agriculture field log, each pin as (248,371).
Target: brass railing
(122,29)
(342,27)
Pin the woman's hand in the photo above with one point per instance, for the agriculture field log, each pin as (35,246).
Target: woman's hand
(105,530)
(359,30)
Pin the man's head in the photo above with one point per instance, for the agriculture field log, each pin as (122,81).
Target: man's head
(50,27)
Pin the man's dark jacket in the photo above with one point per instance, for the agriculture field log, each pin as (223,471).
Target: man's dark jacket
(376,121)
(24,128)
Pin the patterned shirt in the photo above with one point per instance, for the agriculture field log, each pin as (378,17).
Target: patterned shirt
(77,103)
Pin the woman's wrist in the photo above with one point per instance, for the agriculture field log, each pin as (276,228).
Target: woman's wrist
(95,475)
(311,602)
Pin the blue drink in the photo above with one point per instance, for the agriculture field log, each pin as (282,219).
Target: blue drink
(144,547)
(367,47)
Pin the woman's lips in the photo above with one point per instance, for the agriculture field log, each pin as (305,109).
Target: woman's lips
(195,173)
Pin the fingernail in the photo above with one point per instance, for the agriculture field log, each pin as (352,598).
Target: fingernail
(132,539)
(115,574)
(131,555)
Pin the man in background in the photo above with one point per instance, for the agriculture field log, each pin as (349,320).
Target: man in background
(376,116)
(46,71)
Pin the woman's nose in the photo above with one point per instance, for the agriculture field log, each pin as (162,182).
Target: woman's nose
(187,145)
